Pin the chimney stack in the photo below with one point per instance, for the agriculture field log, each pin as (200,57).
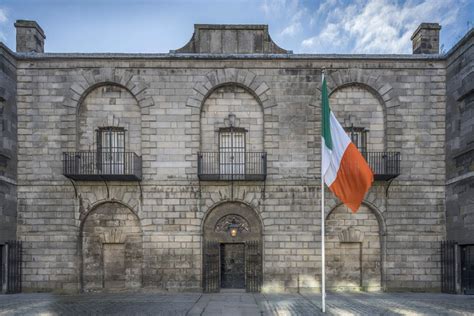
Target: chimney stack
(29,37)
(426,39)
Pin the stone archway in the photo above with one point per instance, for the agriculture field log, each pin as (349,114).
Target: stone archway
(232,248)
(354,250)
(112,249)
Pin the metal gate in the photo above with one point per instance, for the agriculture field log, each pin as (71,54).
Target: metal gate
(253,266)
(448,266)
(10,267)
(233,265)
(211,279)
(467,269)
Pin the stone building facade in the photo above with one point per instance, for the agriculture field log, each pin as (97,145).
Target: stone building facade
(460,160)
(200,169)
(8,157)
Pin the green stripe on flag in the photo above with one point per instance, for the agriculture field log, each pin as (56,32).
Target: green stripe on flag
(326,126)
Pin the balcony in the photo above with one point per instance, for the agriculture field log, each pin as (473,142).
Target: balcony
(96,166)
(385,165)
(232,166)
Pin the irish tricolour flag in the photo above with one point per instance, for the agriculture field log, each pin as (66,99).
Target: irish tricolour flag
(343,167)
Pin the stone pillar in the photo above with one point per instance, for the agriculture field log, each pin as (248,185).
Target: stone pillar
(426,39)
(29,37)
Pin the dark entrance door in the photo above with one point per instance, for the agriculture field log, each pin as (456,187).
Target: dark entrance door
(467,268)
(233,266)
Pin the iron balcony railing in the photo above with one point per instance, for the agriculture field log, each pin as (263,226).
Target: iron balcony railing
(92,165)
(238,166)
(385,165)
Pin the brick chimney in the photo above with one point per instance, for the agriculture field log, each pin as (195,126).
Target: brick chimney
(29,37)
(426,39)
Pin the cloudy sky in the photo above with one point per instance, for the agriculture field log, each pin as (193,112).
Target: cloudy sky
(304,26)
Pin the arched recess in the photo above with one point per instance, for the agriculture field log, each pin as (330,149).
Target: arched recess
(111,248)
(219,103)
(87,80)
(365,77)
(355,247)
(232,248)
(108,105)
(242,77)
(358,105)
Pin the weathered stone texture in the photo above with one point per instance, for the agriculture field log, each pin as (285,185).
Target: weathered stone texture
(425,39)
(109,106)
(8,145)
(278,102)
(460,142)
(111,248)
(29,37)
(354,243)
(231,39)
(248,115)
(356,106)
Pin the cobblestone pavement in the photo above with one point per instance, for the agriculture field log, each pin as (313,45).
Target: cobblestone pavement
(236,303)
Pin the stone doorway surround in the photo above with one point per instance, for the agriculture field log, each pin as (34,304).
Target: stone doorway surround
(217,227)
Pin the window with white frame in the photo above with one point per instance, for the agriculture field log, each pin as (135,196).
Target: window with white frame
(111,149)
(232,146)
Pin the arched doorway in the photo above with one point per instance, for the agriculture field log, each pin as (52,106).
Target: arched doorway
(112,249)
(232,248)
(353,246)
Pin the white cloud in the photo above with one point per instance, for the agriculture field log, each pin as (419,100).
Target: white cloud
(271,7)
(291,29)
(290,12)
(331,35)
(377,26)
(3,20)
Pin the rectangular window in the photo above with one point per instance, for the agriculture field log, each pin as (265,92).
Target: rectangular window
(358,137)
(232,152)
(111,150)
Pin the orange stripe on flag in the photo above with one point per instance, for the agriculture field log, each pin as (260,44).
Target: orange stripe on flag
(354,178)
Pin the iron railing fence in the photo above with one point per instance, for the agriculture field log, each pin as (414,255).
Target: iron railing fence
(448,266)
(385,165)
(93,165)
(238,166)
(10,276)
(211,267)
(253,266)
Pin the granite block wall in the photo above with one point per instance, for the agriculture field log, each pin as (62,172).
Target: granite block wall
(460,142)
(8,145)
(171,203)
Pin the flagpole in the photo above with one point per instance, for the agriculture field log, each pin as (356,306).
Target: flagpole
(323,254)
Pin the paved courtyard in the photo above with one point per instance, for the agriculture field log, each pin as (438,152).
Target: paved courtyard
(236,303)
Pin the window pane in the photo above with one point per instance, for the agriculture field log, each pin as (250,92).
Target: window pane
(112,150)
(232,153)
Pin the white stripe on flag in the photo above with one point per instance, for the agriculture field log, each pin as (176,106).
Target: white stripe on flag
(332,158)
